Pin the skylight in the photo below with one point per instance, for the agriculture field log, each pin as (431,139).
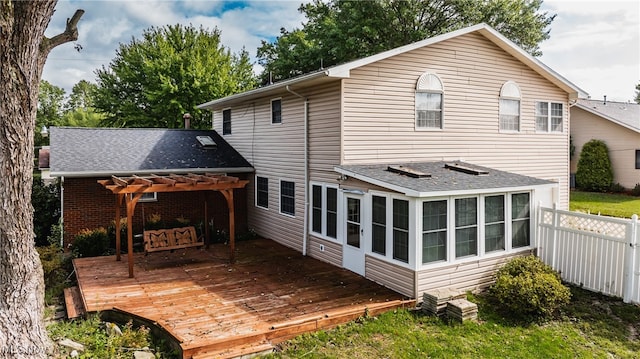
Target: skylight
(206,141)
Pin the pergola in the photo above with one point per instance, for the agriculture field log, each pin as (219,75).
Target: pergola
(131,189)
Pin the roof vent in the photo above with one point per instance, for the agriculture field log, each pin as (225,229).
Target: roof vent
(407,171)
(465,169)
(206,141)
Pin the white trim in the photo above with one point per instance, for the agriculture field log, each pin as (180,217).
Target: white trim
(509,85)
(150,197)
(535,116)
(323,215)
(230,121)
(85,174)
(280,198)
(271,110)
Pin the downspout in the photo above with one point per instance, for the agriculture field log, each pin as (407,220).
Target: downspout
(61,220)
(306,170)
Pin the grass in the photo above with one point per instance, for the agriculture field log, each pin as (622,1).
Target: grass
(607,204)
(592,326)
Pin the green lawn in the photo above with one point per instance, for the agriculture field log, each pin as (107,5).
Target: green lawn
(607,204)
(592,326)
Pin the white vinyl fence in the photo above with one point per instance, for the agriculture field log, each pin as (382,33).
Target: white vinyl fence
(599,253)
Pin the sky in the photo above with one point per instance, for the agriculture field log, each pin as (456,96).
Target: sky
(593,44)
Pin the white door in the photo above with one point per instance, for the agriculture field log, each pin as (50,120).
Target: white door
(353,248)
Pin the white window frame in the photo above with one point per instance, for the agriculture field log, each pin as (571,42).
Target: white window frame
(510,91)
(272,113)
(256,192)
(482,254)
(280,198)
(549,117)
(429,83)
(230,117)
(323,210)
(148,197)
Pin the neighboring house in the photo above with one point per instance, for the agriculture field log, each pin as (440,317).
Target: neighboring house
(82,156)
(43,165)
(419,167)
(618,125)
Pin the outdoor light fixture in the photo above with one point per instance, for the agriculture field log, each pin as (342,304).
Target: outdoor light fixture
(44,132)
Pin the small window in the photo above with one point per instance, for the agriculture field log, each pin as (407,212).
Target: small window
(379,225)
(638,159)
(466,227)
(276,111)
(262,192)
(548,117)
(316,208)
(520,220)
(510,107)
(401,230)
(434,231)
(429,94)
(226,122)
(149,197)
(324,210)
(288,198)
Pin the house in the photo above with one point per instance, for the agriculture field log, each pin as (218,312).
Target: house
(618,125)
(419,167)
(80,157)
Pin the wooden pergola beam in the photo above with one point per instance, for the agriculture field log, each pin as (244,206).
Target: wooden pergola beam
(131,189)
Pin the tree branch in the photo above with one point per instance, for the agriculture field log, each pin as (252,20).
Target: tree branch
(70,34)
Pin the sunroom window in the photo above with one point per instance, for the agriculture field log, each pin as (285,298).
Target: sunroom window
(434,231)
(466,212)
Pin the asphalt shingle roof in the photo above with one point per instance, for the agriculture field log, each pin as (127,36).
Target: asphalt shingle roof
(623,112)
(121,151)
(442,180)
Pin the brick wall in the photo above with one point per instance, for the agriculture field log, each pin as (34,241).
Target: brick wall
(86,204)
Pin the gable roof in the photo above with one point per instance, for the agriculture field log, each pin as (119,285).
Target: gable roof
(96,152)
(444,179)
(622,113)
(343,71)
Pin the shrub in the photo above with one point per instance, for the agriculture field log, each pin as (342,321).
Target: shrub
(617,188)
(594,172)
(529,289)
(56,266)
(91,243)
(45,200)
(636,190)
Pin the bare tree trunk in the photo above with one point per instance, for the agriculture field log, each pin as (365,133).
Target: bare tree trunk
(23,52)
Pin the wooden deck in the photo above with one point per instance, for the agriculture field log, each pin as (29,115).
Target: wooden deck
(215,309)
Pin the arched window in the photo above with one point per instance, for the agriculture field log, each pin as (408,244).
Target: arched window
(429,95)
(510,107)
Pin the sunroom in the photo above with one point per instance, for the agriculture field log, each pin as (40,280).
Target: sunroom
(417,226)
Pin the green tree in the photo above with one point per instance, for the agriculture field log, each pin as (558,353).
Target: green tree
(594,172)
(153,81)
(80,110)
(81,96)
(23,52)
(341,30)
(637,99)
(51,104)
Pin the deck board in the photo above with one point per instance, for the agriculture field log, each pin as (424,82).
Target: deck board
(210,304)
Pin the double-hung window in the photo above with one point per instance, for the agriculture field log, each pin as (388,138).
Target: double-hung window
(262,192)
(510,107)
(379,224)
(324,210)
(494,225)
(548,117)
(226,121)
(276,111)
(401,230)
(638,159)
(466,221)
(434,231)
(288,198)
(520,220)
(429,95)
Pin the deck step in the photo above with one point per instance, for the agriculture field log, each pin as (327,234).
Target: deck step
(247,351)
(73,302)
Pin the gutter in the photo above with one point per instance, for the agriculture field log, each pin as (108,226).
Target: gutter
(306,170)
(87,174)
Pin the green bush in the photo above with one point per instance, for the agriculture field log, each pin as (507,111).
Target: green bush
(56,266)
(45,200)
(617,188)
(636,190)
(594,172)
(91,243)
(529,289)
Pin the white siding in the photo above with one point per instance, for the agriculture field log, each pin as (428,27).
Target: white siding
(622,143)
(392,276)
(332,252)
(473,276)
(378,110)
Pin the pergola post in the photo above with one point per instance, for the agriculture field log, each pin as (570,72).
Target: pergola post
(117,225)
(228,195)
(131,200)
